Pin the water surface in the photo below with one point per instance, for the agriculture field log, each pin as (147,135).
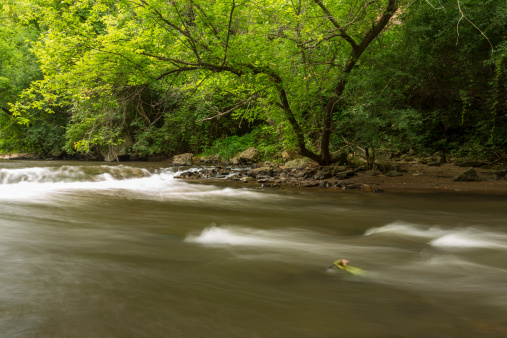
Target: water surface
(92,250)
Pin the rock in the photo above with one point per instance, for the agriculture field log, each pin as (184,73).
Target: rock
(300,163)
(425,160)
(249,156)
(371,173)
(183,159)
(378,190)
(113,151)
(436,161)
(469,175)
(331,171)
(347,185)
(246,179)
(211,159)
(265,179)
(498,175)
(234,178)
(287,155)
(262,171)
(467,162)
(394,173)
(324,173)
(307,173)
(309,184)
(21,156)
(270,164)
(324,184)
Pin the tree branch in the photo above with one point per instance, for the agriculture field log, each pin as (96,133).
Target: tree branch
(331,18)
(228,32)
(251,98)
(7,111)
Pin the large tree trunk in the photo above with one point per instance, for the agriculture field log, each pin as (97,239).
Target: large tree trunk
(355,54)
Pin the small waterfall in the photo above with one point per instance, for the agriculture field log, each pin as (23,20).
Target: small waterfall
(67,174)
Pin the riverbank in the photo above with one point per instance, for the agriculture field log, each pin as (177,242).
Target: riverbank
(423,178)
(407,177)
(397,176)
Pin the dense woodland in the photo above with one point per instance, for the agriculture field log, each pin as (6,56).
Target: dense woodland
(314,77)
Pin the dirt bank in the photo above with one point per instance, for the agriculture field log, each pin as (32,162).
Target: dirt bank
(424,178)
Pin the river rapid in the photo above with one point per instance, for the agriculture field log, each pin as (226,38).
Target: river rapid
(93,250)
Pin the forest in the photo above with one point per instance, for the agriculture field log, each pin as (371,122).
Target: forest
(79,78)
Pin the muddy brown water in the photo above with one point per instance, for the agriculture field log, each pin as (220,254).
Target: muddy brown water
(93,250)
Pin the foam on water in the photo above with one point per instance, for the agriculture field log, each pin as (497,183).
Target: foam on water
(310,247)
(406,229)
(448,272)
(44,185)
(232,236)
(469,237)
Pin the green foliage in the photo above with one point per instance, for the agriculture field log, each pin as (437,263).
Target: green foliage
(262,137)
(217,77)
(18,68)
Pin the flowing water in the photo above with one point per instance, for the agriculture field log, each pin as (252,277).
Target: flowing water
(91,250)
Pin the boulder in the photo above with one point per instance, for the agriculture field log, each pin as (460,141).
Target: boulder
(437,161)
(324,173)
(498,175)
(262,171)
(183,159)
(328,172)
(469,175)
(300,163)
(393,173)
(249,156)
(287,155)
(114,151)
(211,159)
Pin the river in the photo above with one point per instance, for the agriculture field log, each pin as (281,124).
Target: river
(127,250)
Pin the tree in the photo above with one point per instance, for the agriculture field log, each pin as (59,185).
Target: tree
(290,59)
(18,69)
